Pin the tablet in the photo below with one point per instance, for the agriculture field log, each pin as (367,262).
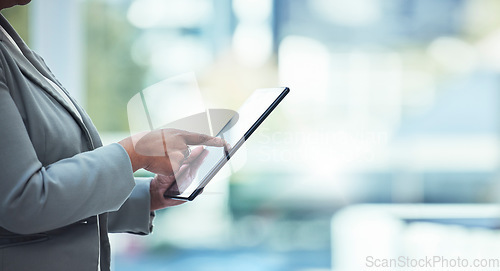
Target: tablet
(190,183)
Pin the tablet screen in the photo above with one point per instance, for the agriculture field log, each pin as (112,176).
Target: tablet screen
(192,179)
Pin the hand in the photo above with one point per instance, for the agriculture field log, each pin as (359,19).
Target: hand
(182,179)
(163,151)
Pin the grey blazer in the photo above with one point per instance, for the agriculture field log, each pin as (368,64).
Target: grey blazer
(61,191)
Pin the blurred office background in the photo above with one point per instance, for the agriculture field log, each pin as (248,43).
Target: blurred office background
(393,103)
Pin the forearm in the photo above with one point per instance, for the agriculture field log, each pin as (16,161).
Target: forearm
(137,161)
(46,198)
(134,216)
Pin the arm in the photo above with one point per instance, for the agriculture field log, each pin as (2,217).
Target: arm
(135,215)
(34,198)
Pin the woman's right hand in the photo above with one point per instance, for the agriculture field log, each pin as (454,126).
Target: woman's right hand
(163,151)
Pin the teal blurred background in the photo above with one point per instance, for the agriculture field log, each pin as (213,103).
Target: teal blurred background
(394,103)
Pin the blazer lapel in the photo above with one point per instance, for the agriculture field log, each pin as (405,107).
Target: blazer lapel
(32,68)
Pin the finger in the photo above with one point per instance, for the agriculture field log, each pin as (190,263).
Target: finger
(189,171)
(194,154)
(193,162)
(164,181)
(181,171)
(201,139)
(175,166)
(173,189)
(186,164)
(186,153)
(184,168)
(198,162)
(173,202)
(176,158)
(192,167)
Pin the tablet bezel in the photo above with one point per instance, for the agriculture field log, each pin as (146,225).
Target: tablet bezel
(233,150)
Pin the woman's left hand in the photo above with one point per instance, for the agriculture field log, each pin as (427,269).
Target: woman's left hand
(185,176)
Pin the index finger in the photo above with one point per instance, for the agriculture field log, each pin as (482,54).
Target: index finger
(200,139)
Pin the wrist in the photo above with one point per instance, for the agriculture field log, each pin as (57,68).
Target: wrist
(136,160)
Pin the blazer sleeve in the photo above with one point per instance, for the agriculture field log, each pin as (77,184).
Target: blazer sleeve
(34,198)
(134,216)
